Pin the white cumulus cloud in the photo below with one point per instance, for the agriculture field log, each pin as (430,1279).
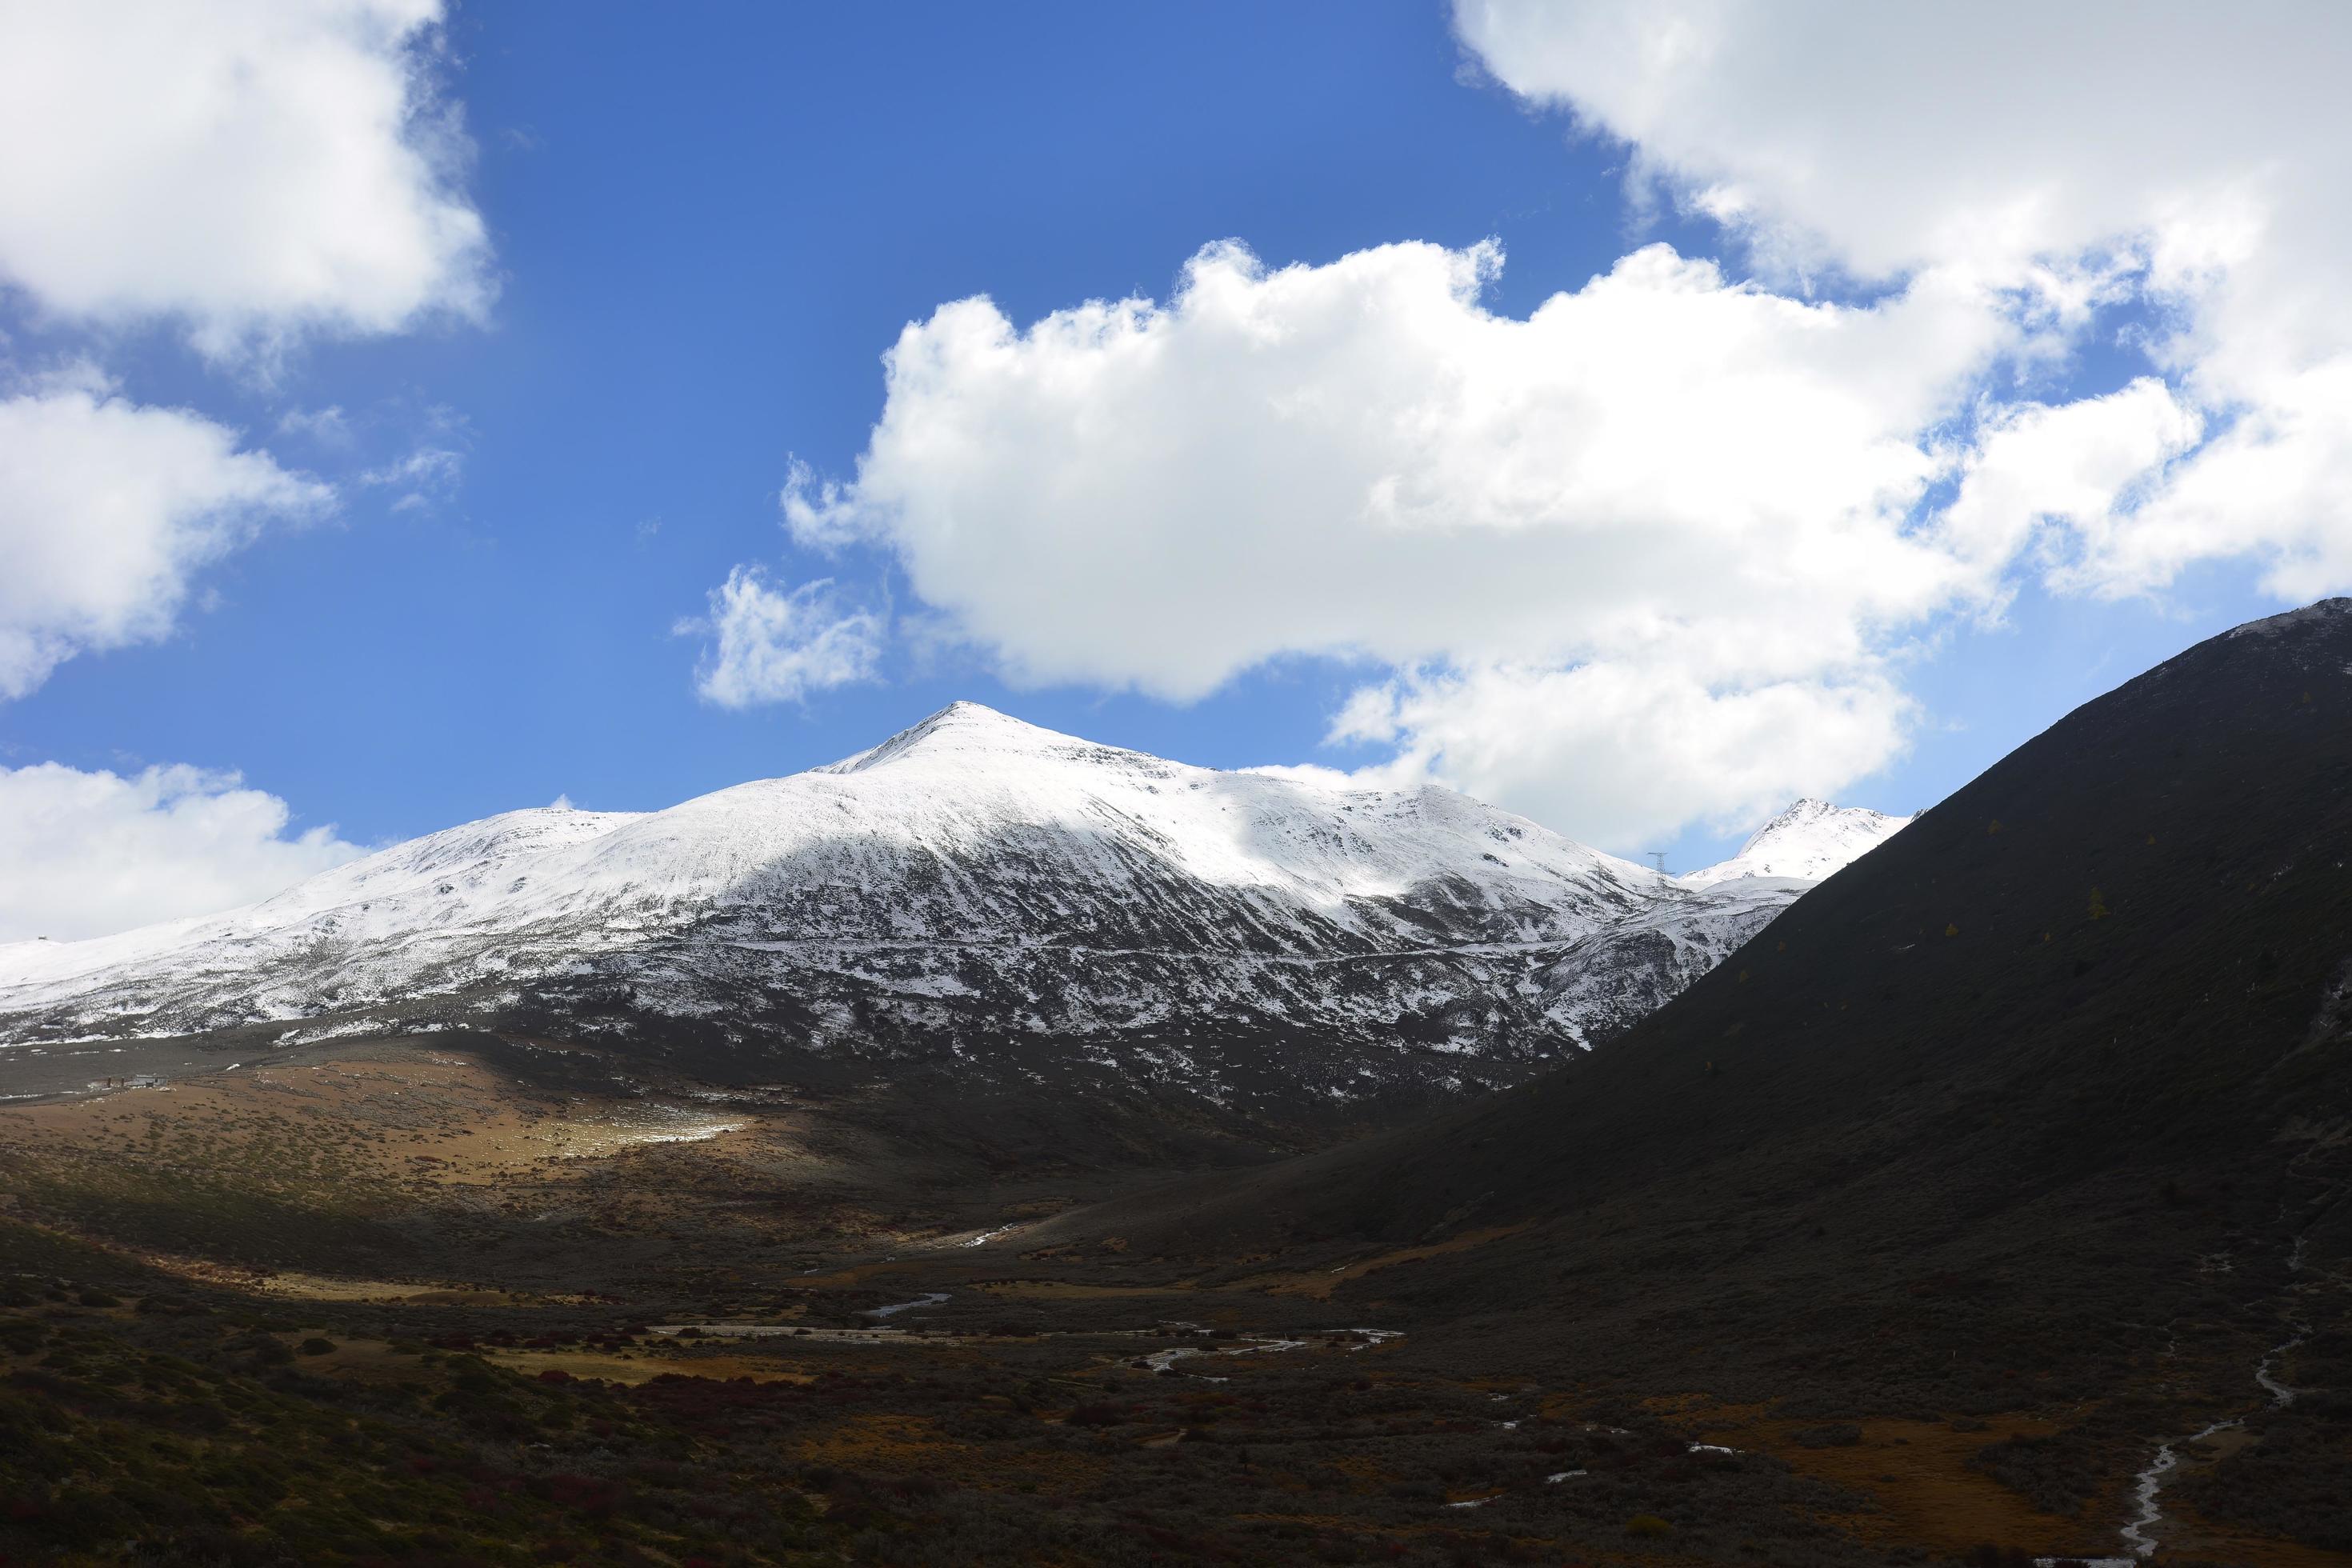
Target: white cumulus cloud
(255,168)
(1655,535)
(108,509)
(1884,138)
(1623,750)
(2192,158)
(1360,458)
(777,645)
(85,854)
(1657,553)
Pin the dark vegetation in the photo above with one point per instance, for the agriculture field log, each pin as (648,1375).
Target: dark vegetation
(187,1427)
(2009,1126)
(2289,1484)
(2035,1104)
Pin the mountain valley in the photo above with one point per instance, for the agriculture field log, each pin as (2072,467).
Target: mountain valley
(2005,1161)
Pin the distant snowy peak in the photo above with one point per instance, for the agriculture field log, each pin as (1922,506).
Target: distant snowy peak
(978,892)
(963,734)
(968,826)
(1808,842)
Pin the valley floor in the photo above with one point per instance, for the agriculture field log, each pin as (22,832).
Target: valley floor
(381,1301)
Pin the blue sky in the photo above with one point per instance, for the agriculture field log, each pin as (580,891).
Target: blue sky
(705,227)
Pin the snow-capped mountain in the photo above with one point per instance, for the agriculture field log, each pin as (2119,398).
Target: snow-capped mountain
(973,890)
(1807,842)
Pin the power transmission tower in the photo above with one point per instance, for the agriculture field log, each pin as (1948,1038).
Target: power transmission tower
(1659,857)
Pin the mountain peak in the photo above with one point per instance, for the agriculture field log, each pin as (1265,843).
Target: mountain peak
(973,873)
(1808,840)
(1803,812)
(964,711)
(959,727)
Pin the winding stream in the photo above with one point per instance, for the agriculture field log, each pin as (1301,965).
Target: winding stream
(1161,1360)
(2147,1487)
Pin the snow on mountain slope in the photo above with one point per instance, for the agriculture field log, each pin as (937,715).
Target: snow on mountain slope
(458,875)
(1808,841)
(974,890)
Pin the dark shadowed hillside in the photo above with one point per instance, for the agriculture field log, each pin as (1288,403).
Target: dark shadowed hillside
(2050,1085)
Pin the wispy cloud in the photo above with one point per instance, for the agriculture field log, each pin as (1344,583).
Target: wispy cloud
(774,644)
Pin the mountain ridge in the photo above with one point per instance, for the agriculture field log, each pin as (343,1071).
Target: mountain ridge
(973,889)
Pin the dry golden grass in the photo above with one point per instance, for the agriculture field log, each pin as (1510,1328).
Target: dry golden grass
(1916,1471)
